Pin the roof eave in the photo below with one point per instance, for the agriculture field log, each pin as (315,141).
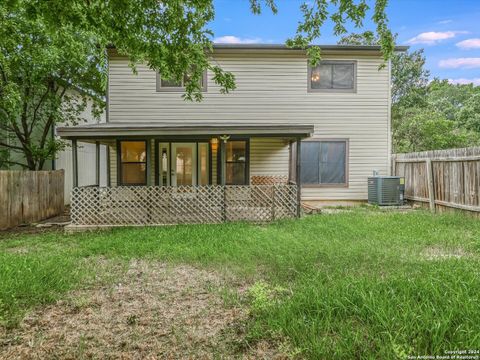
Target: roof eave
(92,132)
(273,47)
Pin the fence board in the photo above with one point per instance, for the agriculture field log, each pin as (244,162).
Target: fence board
(456,177)
(29,196)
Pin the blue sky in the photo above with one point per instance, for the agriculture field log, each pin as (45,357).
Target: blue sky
(448,30)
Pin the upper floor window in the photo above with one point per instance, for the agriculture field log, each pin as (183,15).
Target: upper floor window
(178,86)
(333,76)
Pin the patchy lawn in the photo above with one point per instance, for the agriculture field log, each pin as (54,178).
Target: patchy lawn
(355,284)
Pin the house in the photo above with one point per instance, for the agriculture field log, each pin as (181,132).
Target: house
(63,160)
(328,127)
(86,154)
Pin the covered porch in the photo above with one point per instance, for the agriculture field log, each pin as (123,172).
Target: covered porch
(189,173)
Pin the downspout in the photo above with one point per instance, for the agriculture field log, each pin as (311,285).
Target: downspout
(389,119)
(107,97)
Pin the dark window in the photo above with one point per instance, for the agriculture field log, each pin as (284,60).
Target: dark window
(133,163)
(324,162)
(332,75)
(236,162)
(173,85)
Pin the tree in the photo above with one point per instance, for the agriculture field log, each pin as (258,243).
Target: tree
(459,102)
(368,38)
(48,48)
(420,129)
(409,76)
(37,70)
(426,115)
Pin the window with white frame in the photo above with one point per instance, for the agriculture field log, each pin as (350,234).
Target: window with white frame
(334,76)
(324,162)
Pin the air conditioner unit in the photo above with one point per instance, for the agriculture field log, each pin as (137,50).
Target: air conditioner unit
(386,190)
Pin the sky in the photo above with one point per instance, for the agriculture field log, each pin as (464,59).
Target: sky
(448,30)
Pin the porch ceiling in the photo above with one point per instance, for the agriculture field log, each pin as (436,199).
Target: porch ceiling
(182,129)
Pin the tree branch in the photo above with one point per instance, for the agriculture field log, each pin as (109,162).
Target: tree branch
(11,146)
(23,116)
(4,75)
(35,111)
(16,163)
(16,130)
(49,123)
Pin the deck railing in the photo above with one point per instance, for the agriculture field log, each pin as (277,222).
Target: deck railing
(160,205)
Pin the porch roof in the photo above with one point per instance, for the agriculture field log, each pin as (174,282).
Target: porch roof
(135,129)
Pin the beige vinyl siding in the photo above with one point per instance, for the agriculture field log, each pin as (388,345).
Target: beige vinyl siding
(269,156)
(273,89)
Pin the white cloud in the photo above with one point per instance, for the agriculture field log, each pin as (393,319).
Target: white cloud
(474,81)
(433,37)
(230,39)
(469,44)
(447,21)
(468,63)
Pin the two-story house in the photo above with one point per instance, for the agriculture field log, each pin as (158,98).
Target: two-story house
(325,128)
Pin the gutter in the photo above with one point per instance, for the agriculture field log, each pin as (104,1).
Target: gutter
(399,48)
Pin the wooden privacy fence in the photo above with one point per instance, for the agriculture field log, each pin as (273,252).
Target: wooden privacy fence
(29,196)
(159,205)
(441,178)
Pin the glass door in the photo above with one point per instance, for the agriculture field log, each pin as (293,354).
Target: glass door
(184,164)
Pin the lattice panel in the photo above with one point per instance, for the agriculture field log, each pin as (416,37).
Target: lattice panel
(249,203)
(157,205)
(268,179)
(285,205)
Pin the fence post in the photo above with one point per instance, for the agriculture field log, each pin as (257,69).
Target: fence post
(430,183)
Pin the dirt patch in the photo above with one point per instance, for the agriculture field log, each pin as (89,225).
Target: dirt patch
(154,311)
(28,230)
(53,224)
(19,250)
(440,253)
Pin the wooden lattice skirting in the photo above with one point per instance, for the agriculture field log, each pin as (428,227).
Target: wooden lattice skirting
(160,205)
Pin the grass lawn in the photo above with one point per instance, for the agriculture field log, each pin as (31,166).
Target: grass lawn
(356,284)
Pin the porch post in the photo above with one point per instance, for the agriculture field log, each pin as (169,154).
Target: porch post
(149,162)
(109,180)
(297,177)
(97,163)
(74,163)
(223,170)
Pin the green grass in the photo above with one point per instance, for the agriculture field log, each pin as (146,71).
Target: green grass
(358,284)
